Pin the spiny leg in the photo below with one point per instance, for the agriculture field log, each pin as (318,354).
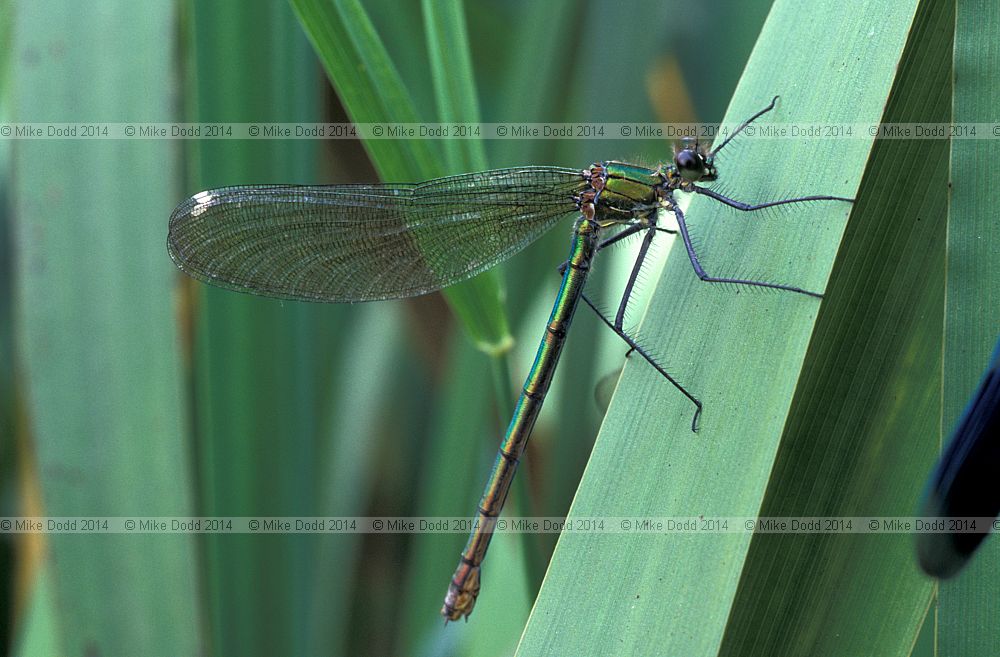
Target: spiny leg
(634,274)
(746,207)
(703,275)
(629,232)
(616,326)
(651,229)
(635,347)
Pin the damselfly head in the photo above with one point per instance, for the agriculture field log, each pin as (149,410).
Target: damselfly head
(694,162)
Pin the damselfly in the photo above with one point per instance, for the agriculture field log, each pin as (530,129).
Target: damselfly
(345,243)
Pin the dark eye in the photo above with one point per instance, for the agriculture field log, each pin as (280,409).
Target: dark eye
(689,163)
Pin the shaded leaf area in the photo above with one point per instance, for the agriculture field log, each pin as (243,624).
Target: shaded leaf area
(863,429)
(968,605)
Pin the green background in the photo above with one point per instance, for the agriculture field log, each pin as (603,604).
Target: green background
(128,390)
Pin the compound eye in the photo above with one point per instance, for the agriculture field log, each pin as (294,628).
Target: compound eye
(690,164)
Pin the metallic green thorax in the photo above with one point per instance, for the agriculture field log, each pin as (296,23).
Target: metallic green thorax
(628,185)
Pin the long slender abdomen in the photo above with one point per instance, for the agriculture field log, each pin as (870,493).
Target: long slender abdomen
(464,586)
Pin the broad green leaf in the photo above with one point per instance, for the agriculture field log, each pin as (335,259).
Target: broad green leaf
(968,605)
(96,333)
(789,398)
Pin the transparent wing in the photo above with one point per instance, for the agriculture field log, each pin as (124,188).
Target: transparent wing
(366,242)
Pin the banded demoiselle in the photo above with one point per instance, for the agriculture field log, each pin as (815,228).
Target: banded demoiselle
(347,243)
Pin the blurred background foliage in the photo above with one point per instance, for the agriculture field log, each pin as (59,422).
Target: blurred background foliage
(126,389)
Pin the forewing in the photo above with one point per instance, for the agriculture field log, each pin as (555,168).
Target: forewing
(366,242)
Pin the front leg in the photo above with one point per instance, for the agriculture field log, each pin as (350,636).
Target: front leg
(746,207)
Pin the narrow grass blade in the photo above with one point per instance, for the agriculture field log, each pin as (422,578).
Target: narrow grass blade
(454,83)
(371,90)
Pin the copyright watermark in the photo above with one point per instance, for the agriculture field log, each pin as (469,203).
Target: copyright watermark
(699,524)
(705,132)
